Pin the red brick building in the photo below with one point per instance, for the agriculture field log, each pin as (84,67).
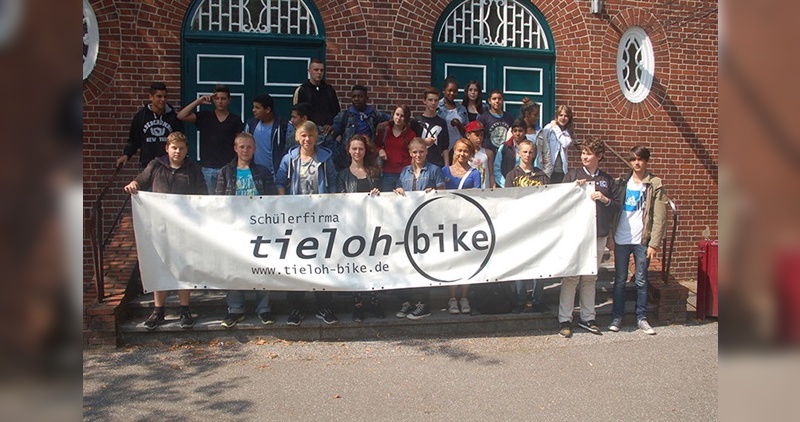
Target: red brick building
(635,72)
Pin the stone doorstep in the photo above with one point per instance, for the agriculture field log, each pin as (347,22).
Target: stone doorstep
(208,307)
(213,301)
(128,318)
(438,324)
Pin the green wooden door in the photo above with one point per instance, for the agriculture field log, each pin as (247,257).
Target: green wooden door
(253,47)
(516,76)
(248,70)
(505,45)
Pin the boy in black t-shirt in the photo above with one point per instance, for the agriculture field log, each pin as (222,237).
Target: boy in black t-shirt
(217,129)
(433,129)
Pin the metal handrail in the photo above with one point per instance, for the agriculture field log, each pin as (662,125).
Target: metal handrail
(664,256)
(94,231)
(666,253)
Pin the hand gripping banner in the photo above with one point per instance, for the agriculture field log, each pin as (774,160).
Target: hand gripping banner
(354,242)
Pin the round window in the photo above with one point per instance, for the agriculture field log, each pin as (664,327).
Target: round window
(635,64)
(91,39)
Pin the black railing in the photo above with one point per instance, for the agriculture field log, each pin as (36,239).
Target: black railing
(666,258)
(94,231)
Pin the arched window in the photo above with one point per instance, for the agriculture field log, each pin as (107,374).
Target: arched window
(288,17)
(498,23)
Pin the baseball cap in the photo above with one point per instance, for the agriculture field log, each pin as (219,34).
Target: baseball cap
(474,126)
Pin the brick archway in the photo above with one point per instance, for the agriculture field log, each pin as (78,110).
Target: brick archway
(618,25)
(108,55)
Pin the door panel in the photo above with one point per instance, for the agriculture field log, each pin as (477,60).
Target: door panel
(280,71)
(517,76)
(247,70)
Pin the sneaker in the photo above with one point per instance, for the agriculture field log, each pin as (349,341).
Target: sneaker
(186,319)
(645,326)
(565,330)
(590,326)
(358,314)
(154,320)
(327,316)
(232,319)
(616,324)
(464,304)
(405,308)
(452,306)
(421,311)
(266,318)
(295,317)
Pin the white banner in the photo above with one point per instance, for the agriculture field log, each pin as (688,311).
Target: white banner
(349,242)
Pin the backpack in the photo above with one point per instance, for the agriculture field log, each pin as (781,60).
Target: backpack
(494,298)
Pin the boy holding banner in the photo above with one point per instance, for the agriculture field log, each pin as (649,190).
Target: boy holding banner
(171,173)
(419,176)
(526,174)
(607,204)
(243,177)
(307,170)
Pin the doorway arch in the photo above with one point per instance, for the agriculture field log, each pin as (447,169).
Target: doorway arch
(504,44)
(253,47)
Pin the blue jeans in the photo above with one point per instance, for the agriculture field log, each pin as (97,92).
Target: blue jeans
(235,299)
(622,255)
(210,175)
(522,287)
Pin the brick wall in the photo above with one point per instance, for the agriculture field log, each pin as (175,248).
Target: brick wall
(386,45)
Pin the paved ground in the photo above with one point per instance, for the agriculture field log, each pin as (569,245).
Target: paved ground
(617,376)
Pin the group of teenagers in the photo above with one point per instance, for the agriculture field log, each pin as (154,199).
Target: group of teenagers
(453,144)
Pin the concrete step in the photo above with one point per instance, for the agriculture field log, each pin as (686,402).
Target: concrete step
(213,301)
(209,309)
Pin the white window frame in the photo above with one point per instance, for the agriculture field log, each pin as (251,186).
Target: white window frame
(644,60)
(91,39)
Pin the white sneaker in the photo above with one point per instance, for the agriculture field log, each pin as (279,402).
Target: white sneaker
(644,326)
(464,303)
(452,306)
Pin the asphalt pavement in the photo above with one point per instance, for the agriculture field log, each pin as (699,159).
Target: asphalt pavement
(671,376)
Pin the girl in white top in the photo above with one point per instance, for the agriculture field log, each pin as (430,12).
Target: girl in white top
(558,134)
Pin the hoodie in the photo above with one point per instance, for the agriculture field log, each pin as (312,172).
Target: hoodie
(288,172)
(159,177)
(149,131)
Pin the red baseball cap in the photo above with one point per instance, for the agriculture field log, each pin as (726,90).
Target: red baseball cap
(474,126)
